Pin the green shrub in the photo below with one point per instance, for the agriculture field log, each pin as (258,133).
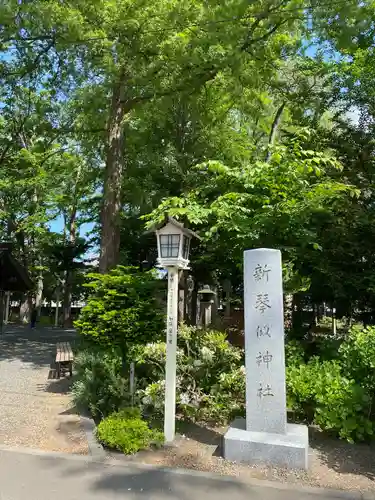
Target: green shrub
(294,353)
(99,385)
(357,355)
(319,392)
(127,432)
(123,309)
(300,382)
(327,348)
(226,399)
(336,394)
(210,376)
(342,407)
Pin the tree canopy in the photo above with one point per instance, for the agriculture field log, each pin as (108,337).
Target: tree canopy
(252,122)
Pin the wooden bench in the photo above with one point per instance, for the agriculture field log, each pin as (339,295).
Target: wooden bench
(64,358)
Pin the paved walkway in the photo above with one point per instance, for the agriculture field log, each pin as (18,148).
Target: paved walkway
(72,478)
(35,408)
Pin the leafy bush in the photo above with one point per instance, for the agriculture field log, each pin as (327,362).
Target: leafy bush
(294,353)
(342,407)
(99,385)
(337,394)
(357,354)
(300,382)
(210,376)
(327,348)
(127,432)
(123,309)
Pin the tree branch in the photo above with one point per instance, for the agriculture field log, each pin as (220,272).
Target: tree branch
(251,41)
(207,76)
(274,128)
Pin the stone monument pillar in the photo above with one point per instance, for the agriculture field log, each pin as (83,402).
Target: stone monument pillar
(265,436)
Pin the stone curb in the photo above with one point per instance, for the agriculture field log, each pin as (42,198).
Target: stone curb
(96,450)
(112,462)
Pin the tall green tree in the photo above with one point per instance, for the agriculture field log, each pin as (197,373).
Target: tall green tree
(129,53)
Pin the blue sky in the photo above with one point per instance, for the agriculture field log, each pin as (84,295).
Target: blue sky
(57,226)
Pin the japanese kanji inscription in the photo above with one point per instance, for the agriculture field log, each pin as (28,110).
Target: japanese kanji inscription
(264,342)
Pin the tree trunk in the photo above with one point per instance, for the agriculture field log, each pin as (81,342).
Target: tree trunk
(1,310)
(67,300)
(111,207)
(297,320)
(57,307)
(39,293)
(194,303)
(25,309)
(227,288)
(274,129)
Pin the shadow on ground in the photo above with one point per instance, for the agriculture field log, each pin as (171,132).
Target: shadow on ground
(28,351)
(36,346)
(56,385)
(202,435)
(145,483)
(199,433)
(148,482)
(343,457)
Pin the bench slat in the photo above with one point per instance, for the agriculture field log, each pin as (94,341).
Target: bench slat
(64,352)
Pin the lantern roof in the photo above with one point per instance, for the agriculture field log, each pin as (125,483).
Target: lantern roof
(171,220)
(206,290)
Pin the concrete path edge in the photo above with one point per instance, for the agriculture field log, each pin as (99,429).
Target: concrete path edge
(106,461)
(96,450)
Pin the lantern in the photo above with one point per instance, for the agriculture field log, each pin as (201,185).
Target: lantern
(173,244)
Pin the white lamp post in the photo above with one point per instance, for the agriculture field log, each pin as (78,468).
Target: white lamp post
(173,254)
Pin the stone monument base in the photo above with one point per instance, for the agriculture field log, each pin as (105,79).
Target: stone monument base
(284,450)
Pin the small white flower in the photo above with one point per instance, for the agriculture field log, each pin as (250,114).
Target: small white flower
(207,354)
(243,370)
(147,400)
(197,363)
(184,399)
(195,402)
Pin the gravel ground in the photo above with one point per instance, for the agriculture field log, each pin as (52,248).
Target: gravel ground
(333,464)
(35,408)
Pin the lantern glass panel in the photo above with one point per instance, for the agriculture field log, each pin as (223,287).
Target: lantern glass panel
(169,245)
(185,247)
